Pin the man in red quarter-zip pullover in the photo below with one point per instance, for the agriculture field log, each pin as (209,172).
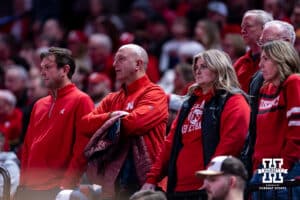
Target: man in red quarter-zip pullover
(146,112)
(252,26)
(52,154)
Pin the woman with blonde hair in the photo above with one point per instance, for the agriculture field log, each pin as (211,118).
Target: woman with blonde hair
(213,121)
(207,33)
(278,122)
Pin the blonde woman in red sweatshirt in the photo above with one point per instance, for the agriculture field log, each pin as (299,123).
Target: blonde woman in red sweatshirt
(212,122)
(278,122)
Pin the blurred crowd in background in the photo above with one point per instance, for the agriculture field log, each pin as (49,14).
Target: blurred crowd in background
(172,32)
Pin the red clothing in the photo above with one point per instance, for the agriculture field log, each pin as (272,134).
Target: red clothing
(11,128)
(152,69)
(105,66)
(147,104)
(234,124)
(245,67)
(52,153)
(278,123)
(230,28)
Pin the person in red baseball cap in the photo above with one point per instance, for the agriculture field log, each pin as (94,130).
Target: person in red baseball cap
(77,43)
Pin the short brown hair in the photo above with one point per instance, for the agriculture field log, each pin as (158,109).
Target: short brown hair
(62,57)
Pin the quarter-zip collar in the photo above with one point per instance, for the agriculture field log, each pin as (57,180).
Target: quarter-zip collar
(61,91)
(135,85)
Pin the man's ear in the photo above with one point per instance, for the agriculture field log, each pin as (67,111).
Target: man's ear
(66,69)
(233,181)
(139,64)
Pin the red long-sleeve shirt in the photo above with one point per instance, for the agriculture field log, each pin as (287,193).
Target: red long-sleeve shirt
(11,127)
(278,123)
(245,67)
(148,113)
(52,154)
(234,124)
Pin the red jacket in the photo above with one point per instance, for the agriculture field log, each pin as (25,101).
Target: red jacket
(278,123)
(234,124)
(152,69)
(245,67)
(52,153)
(147,104)
(11,128)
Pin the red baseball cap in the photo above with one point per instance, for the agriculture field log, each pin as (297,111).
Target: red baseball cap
(77,36)
(96,77)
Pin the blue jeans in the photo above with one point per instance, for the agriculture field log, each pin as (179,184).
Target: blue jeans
(277,193)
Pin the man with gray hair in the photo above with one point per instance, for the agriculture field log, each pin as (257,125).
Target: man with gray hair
(10,120)
(247,65)
(10,130)
(100,54)
(16,79)
(252,26)
(140,109)
(277,30)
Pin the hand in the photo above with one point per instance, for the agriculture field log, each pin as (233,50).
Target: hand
(148,186)
(120,113)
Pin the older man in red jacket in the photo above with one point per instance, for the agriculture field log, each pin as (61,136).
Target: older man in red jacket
(146,108)
(252,26)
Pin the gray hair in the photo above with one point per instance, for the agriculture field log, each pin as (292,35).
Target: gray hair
(285,30)
(102,39)
(262,16)
(21,71)
(9,97)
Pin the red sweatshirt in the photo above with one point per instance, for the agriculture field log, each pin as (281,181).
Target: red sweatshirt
(278,123)
(11,128)
(234,124)
(147,104)
(245,67)
(53,148)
